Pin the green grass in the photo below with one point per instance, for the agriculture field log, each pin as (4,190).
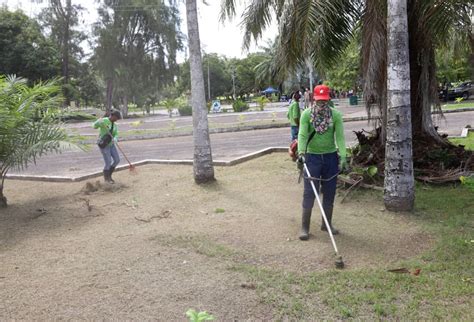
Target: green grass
(468,141)
(443,290)
(455,106)
(200,244)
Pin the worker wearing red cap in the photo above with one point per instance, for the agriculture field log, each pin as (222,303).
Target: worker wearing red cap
(320,153)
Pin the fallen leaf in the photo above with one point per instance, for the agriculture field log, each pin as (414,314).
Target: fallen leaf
(416,272)
(248,286)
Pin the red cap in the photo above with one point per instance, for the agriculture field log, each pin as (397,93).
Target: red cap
(321,93)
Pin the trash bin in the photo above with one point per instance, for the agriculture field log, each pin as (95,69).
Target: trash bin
(353,100)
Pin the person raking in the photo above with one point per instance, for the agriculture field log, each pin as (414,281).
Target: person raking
(321,135)
(294,115)
(108,135)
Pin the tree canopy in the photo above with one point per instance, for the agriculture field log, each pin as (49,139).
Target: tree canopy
(24,50)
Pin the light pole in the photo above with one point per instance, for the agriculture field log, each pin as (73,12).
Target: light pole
(208,80)
(233,81)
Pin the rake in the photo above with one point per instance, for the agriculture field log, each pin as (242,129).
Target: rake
(131,167)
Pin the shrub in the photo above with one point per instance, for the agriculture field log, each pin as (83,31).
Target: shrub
(185,110)
(240,106)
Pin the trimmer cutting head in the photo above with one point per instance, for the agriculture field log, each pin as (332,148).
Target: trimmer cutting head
(339,263)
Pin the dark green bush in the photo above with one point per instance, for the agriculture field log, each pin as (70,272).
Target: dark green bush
(75,117)
(185,110)
(240,106)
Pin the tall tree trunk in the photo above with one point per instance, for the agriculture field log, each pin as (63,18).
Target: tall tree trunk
(471,56)
(125,106)
(424,84)
(3,199)
(109,96)
(399,192)
(65,48)
(203,167)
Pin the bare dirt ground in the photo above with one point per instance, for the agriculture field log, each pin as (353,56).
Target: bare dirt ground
(155,244)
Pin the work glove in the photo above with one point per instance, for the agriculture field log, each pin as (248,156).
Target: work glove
(343,165)
(300,162)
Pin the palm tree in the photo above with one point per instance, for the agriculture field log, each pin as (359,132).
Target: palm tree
(203,167)
(399,181)
(321,30)
(28,128)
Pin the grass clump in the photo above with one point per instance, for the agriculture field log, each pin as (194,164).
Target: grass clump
(442,290)
(467,142)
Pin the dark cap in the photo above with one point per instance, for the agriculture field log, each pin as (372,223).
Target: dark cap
(117,114)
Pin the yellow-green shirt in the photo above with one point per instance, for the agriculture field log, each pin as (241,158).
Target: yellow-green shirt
(322,143)
(293,113)
(104,125)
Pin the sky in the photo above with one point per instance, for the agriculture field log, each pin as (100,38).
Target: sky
(224,39)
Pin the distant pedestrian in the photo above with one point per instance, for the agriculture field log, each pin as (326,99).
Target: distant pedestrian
(294,116)
(307,98)
(108,135)
(301,102)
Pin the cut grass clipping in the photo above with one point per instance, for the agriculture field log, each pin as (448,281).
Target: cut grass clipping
(442,290)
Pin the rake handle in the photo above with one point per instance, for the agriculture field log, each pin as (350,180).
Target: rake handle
(125,156)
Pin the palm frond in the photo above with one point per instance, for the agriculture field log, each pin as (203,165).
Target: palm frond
(28,128)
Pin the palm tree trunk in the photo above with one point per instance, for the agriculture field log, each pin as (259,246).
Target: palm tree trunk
(109,94)
(399,192)
(203,167)
(3,199)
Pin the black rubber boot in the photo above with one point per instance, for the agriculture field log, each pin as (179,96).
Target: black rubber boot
(328,212)
(107,177)
(305,221)
(112,169)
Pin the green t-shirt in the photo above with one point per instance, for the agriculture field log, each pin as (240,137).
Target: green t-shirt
(104,125)
(293,113)
(322,143)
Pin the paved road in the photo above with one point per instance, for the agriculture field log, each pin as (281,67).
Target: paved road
(162,121)
(225,146)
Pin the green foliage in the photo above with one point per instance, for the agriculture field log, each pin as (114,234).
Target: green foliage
(467,142)
(261,101)
(170,104)
(74,116)
(219,211)
(246,80)
(185,110)
(344,75)
(137,45)
(24,51)
(221,71)
(468,182)
(240,106)
(28,125)
(452,63)
(195,316)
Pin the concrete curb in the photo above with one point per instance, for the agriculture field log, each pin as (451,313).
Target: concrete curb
(91,175)
(465,132)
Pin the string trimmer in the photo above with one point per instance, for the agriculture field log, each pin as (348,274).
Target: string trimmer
(339,263)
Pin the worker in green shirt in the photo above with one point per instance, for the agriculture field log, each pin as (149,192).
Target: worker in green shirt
(294,116)
(107,127)
(320,155)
